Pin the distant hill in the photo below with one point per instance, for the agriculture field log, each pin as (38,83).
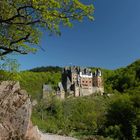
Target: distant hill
(47,69)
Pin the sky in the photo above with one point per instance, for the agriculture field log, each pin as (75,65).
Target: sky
(111,41)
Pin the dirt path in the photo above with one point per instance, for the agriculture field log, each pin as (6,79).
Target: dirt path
(55,137)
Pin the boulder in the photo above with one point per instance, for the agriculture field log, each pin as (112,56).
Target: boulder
(15,113)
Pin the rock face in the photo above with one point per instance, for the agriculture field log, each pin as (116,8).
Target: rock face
(15,113)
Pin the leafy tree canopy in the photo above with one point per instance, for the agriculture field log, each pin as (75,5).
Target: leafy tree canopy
(21,21)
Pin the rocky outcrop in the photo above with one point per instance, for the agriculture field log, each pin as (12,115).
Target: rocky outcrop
(15,113)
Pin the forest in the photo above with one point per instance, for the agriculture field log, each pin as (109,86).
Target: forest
(114,116)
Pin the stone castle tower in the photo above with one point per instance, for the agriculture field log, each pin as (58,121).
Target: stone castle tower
(78,81)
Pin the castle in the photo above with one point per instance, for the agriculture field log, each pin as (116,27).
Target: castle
(77,81)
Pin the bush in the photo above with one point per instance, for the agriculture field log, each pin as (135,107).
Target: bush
(75,116)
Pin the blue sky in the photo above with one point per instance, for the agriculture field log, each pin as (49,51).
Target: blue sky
(111,41)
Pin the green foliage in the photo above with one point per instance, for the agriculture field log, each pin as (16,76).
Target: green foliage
(33,81)
(113,117)
(123,117)
(21,21)
(123,80)
(80,116)
(9,70)
(10,65)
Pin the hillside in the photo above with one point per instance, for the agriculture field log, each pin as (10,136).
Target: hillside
(120,80)
(33,81)
(106,118)
(124,79)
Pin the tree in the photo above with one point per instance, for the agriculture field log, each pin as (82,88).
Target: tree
(21,21)
(123,115)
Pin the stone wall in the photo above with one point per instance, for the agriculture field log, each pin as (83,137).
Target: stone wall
(99,90)
(86,92)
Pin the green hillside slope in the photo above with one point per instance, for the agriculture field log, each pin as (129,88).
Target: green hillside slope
(124,79)
(121,80)
(104,117)
(33,81)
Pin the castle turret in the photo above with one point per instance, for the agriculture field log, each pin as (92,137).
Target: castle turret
(98,82)
(97,79)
